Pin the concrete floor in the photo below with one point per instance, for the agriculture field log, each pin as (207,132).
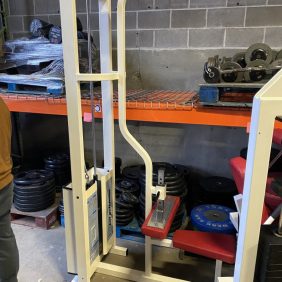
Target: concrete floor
(42,258)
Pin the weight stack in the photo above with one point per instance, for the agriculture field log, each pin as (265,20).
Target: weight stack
(176,186)
(59,164)
(269,257)
(34,190)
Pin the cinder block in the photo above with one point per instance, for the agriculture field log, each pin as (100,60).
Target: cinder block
(171,4)
(188,18)
(21,7)
(15,23)
(96,38)
(130,20)
(94,18)
(273,36)
(226,17)
(27,20)
(47,7)
(206,37)
(154,19)
(81,6)
(274,2)
(145,38)
(56,19)
(171,38)
(131,39)
(135,5)
(207,3)
(243,37)
(264,16)
(246,2)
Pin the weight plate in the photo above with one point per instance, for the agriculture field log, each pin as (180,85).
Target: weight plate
(31,192)
(57,159)
(218,185)
(33,208)
(255,75)
(132,172)
(34,187)
(36,200)
(211,74)
(33,177)
(279,55)
(259,51)
(122,205)
(212,218)
(120,211)
(239,58)
(129,198)
(276,65)
(124,185)
(127,216)
(236,76)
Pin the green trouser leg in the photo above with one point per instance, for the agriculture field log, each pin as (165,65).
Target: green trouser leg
(9,255)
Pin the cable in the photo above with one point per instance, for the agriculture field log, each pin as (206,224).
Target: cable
(90,70)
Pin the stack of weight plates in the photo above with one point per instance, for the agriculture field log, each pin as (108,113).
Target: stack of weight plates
(34,190)
(218,190)
(59,164)
(212,218)
(176,186)
(127,192)
(132,172)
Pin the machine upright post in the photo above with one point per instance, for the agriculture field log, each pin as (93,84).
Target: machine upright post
(71,62)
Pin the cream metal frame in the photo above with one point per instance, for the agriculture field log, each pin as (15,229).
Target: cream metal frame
(267,105)
(80,230)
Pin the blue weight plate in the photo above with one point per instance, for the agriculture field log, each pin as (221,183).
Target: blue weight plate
(212,218)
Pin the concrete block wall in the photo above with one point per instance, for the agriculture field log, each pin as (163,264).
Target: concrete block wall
(168,42)
(177,24)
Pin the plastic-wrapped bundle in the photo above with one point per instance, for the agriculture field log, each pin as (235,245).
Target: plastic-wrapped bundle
(26,51)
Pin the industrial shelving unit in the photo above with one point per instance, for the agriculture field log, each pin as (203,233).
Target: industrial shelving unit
(185,110)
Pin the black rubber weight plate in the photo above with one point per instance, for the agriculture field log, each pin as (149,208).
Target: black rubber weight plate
(33,177)
(39,201)
(28,190)
(34,208)
(218,185)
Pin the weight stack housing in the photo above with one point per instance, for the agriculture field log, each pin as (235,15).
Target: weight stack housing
(269,257)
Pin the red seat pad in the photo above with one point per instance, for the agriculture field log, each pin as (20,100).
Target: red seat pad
(271,199)
(277,136)
(212,245)
(238,168)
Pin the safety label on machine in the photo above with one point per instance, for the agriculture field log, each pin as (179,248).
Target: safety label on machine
(109,209)
(92,203)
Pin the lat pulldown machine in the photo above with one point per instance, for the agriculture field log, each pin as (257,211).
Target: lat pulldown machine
(83,238)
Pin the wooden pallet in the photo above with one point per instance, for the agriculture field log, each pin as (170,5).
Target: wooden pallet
(41,219)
